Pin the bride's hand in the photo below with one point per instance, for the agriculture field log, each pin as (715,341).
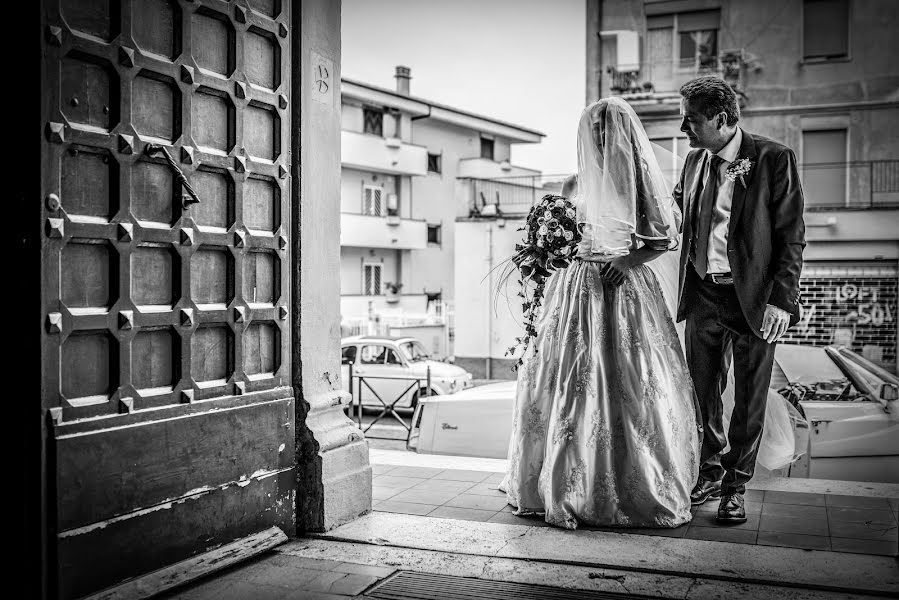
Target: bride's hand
(616,270)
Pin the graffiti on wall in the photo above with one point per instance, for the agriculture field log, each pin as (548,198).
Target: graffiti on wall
(859,313)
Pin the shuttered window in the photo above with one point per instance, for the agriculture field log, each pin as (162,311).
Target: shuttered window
(371,279)
(825,29)
(372,204)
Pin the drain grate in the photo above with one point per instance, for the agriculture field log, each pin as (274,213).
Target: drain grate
(411,585)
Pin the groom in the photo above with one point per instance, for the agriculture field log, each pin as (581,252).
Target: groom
(743,237)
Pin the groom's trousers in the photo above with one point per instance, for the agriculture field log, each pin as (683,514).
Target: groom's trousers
(716,332)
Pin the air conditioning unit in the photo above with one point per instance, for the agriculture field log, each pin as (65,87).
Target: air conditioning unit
(393,220)
(505,165)
(393,142)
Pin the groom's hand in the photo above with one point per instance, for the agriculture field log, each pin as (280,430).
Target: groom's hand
(616,269)
(775,323)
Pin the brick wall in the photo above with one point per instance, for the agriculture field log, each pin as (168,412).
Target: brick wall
(852,306)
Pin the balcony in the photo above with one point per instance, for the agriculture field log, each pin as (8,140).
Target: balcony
(484,168)
(382,155)
(660,80)
(507,196)
(857,185)
(363,231)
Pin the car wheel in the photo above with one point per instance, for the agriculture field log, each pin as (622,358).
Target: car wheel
(420,393)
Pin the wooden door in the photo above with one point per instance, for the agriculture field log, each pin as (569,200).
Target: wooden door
(165,346)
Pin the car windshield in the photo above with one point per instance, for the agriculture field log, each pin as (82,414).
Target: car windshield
(414,351)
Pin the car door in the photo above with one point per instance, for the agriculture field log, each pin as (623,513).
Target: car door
(379,365)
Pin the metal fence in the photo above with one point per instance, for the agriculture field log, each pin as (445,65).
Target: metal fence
(856,185)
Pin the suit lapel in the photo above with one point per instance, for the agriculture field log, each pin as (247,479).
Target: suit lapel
(738,200)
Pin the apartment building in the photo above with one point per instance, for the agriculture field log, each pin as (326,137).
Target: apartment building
(817,75)
(409,168)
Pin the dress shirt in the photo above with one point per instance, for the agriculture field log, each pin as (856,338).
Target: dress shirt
(717,249)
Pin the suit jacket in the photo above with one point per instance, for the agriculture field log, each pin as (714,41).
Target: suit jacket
(766,234)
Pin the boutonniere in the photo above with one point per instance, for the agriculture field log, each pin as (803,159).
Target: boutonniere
(739,168)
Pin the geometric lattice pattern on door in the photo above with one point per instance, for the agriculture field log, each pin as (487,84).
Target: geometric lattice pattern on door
(167,203)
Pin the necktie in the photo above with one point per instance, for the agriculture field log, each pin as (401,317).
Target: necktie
(707,198)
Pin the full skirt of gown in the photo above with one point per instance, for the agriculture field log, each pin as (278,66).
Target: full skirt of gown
(605,430)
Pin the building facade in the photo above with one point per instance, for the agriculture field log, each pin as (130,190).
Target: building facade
(409,168)
(816,75)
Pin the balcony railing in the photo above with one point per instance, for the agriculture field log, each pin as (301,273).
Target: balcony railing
(858,185)
(666,76)
(508,196)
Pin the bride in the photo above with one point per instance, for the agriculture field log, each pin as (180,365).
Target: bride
(605,430)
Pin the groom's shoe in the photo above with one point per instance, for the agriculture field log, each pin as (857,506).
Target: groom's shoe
(704,490)
(732,509)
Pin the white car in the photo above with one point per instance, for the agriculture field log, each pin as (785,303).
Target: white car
(395,368)
(849,403)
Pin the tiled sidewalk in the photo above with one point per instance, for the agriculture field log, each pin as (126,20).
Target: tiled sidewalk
(838,523)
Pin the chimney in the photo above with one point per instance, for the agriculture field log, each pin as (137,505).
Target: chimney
(403,75)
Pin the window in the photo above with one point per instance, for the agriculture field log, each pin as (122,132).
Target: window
(690,37)
(371,279)
(373,121)
(371,201)
(434,234)
(348,355)
(824,167)
(825,29)
(379,355)
(487,148)
(433,163)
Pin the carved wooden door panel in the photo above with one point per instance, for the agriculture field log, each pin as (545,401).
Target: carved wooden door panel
(165,282)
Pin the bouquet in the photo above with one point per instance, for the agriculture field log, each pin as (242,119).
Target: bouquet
(551,239)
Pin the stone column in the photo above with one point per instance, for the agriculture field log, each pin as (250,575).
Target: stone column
(333,473)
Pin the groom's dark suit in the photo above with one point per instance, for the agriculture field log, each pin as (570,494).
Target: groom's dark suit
(764,243)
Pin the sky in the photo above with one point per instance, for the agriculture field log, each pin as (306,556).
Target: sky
(521,61)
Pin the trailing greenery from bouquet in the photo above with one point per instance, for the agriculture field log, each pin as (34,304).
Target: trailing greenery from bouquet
(550,243)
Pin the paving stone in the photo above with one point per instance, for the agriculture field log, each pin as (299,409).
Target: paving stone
(463,514)
(859,546)
(382,469)
(722,534)
(381,493)
(796,511)
(394,481)
(491,503)
(861,515)
(486,489)
(323,582)
(358,569)
(858,502)
(425,496)
(352,584)
(794,525)
(495,478)
(793,540)
(405,508)
(421,472)
(463,475)
(507,518)
(754,496)
(444,485)
(794,498)
(864,531)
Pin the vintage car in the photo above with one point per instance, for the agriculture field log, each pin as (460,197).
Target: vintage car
(850,431)
(395,369)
